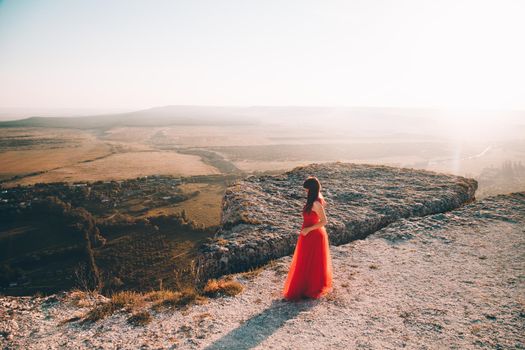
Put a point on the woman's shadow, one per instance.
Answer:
(259, 327)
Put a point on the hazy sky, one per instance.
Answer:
(139, 54)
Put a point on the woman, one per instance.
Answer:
(310, 273)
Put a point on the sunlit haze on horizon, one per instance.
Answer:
(125, 55)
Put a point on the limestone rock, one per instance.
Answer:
(261, 215)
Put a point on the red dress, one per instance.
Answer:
(310, 273)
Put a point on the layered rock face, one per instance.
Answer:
(261, 215)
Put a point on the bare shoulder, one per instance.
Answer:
(317, 206)
(319, 209)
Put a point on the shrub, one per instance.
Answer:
(127, 299)
(79, 298)
(157, 295)
(181, 298)
(214, 287)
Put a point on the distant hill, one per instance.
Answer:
(158, 116)
(352, 118)
(351, 121)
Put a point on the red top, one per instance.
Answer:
(312, 217)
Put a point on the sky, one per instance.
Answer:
(128, 54)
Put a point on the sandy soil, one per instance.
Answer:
(445, 281)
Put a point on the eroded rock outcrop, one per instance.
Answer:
(261, 215)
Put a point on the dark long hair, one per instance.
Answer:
(314, 186)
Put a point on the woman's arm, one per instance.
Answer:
(319, 209)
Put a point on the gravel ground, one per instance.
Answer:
(445, 281)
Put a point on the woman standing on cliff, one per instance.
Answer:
(310, 273)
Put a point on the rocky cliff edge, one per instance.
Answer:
(261, 215)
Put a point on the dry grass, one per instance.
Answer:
(129, 301)
(186, 296)
(74, 147)
(80, 298)
(157, 295)
(126, 299)
(204, 208)
(117, 166)
(229, 287)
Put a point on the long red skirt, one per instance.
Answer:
(310, 273)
